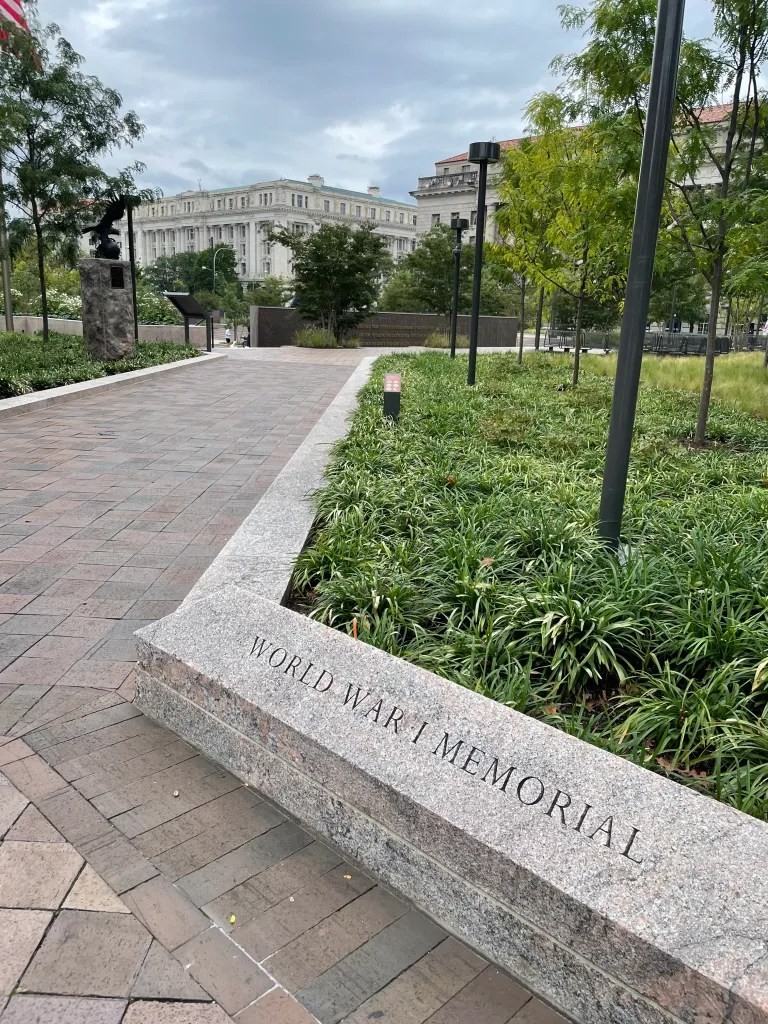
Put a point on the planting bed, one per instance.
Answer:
(462, 538)
(27, 363)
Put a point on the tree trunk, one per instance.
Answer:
(709, 359)
(522, 321)
(539, 317)
(41, 271)
(577, 339)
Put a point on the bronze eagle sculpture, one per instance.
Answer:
(108, 248)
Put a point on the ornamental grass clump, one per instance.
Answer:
(27, 363)
(462, 538)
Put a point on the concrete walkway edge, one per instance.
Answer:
(262, 552)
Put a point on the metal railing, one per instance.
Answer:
(436, 182)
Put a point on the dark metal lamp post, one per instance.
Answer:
(658, 131)
(481, 153)
(459, 225)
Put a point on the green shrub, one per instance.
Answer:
(439, 339)
(314, 337)
(28, 364)
(483, 564)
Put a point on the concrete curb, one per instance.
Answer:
(260, 556)
(53, 396)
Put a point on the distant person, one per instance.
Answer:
(228, 336)
(246, 337)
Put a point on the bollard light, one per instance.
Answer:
(392, 388)
(481, 153)
(459, 225)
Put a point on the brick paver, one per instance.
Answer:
(143, 884)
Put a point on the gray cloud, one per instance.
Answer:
(360, 91)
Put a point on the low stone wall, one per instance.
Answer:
(273, 326)
(614, 894)
(147, 332)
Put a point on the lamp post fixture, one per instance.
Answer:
(658, 131)
(459, 225)
(222, 249)
(481, 153)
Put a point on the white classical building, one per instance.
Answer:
(452, 190)
(244, 217)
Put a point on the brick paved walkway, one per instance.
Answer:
(139, 882)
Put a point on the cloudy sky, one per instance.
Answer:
(361, 91)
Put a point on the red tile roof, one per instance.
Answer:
(708, 115)
(506, 144)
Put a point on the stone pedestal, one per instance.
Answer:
(106, 289)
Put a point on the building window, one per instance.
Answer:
(242, 249)
(219, 203)
(300, 201)
(358, 211)
(413, 245)
(173, 210)
(402, 218)
(342, 207)
(466, 167)
(473, 218)
(293, 198)
(446, 170)
(414, 220)
(219, 234)
(230, 233)
(231, 204)
(435, 219)
(191, 234)
(154, 252)
(373, 213)
(243, 201)
(455, 216)
(266, 267)
(242, 230)
(326, 206)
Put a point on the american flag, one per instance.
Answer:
(10, 10)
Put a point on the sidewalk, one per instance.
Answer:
(140, 883)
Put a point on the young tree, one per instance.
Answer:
(423, 280)
(235, 306)
(568, 210)
(430, 269)
(272, 291)
(399, 293)
(55, 123)
(713, 159)
(336, 273)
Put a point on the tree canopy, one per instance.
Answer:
(56, 123)
(336, 273)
